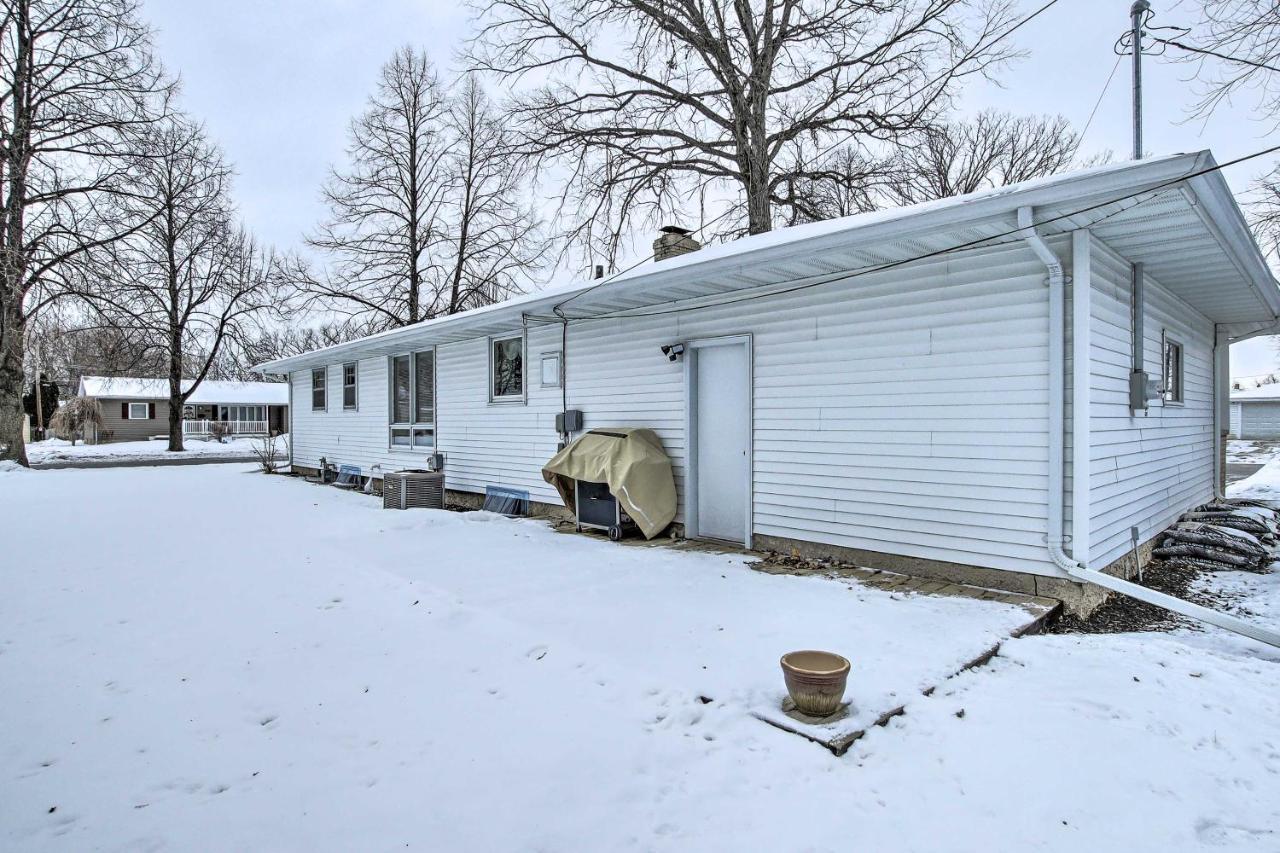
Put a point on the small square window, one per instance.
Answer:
(1173, 372)
(506, 369)
(139, 411)
(349, 375)
(550, 372)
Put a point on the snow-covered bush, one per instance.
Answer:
(71, 419)
(219, 430)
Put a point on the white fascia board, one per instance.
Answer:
(1085, 187)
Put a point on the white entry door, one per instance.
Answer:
(720, 435)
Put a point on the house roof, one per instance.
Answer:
(208, 391)
(1262, 392)
(1175, 214)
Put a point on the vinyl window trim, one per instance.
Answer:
(509, 399)
(413, 426)
(146, 412)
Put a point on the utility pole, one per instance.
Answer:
(1136, 13)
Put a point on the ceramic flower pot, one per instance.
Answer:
(815, 680)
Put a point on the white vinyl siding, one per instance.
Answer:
(903, 412)
(1147, 468)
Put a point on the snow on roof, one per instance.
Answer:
(1262, 392)
(792, 238)
(209, 391)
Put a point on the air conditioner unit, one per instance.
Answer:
(406, 489)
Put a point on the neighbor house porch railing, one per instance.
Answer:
(198, 428)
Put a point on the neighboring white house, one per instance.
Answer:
(1255, 412)
(898, 387)
(137, 408)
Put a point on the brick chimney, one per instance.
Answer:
(673, 242)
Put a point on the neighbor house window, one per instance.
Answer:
(550, 372)
(506, 369)
(139, 411)
(413, 401)
(349, 386)
(318, 379)
(242, 413)
(1173, 369)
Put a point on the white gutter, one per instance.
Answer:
(1080, 464)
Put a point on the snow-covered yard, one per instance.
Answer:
(1246, 452)
(57, 450)
(281, 666)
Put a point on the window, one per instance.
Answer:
(242, 413)
(349, 385)
(413, 401)
(318, 379)
(1172, 389)
(139, 411)
(550, 370)
(506, 369)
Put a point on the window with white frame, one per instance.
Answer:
(1173, 370)
(318, 381)
(349, 378)
(506, 369)
(244, 414)
(413, 401)
(139, 411)
(550, 370)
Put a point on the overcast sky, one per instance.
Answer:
(276, 81)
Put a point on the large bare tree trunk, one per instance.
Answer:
(12, 327)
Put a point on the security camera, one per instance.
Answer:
(673, 352)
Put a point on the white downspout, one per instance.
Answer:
(1057, 422)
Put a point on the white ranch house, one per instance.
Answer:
(943, 389)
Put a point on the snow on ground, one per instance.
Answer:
(288, 667)
(1261, 485)
(58, 450)
(1247, 452)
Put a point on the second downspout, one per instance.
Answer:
(1080, 459)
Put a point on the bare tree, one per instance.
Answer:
(74, 417)
(385, 207)
(492, 239)
(186, 282)
(992, 149)
(429, 218)
(79, 81)
(847, 182)
(643, 100)
(1236, 47)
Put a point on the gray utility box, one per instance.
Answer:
(413, 489)
(599, 509)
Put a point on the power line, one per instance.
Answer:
(557, 308)
(844, 275)
(1226, 56)
(1101, 95)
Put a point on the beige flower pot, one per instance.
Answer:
(816, 681)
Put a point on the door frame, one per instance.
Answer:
(691, 430)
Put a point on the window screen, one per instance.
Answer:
(348, 386)
(1172, 371)
(424, 388)
(401, 393)
(317, 389)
